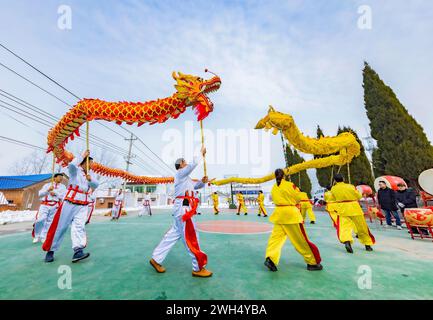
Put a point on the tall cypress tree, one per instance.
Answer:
(403, 147)
(293, 157)
(360, 168)
(323, 174)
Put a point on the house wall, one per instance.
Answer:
(104, 202)
(26, 198)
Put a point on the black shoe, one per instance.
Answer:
(49, 257)
(312, 222)
(259, 215)
(314, 267)
(271, 266)
(79, 255)
(245, 214)
(368, 248)
(356, 236)
(348, 247)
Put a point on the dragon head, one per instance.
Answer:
(275, 121)
(194, 90)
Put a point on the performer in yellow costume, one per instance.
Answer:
(241, 204)
(261, 202)
(288, 223)
(215, 202)
(349, 211)
(331, 206)
(307, 208)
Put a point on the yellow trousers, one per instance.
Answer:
(345, 226)
(242, 207)
(334, 217)
(299, 239)
(262, 209)
(215, 208)
(309, 211)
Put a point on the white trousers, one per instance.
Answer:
(176, 232)
(115, 211)
(71, 215)
(144, 210)
(44, 219)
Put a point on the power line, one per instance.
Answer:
(28, 80)
(74, 95)
(171, 169)
(20, 143)
(33, 67)
(105, 144)
(49, 115)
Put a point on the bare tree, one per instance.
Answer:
(35, 163)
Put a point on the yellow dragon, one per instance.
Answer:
(345, 145)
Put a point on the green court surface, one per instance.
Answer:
(119, 268)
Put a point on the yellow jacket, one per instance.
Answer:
(214, 198)
(305, 201)
(331, 206)
(240, 198)
(261, 198)
(286, 196)
(347, 197)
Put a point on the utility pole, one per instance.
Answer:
(129, 156)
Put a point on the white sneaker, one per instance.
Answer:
(399, 228)
(35, 240)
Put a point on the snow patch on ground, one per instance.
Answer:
(9, 216)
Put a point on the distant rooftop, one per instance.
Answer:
(19, 182)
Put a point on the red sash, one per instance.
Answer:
(190, 233)
(92, 203)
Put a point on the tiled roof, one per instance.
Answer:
(19, 182)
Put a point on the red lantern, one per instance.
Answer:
(365, 190)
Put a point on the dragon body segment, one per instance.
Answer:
(340, 149)
(191, 91)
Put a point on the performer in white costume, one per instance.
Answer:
(116, 211)
(146, 205)
(51, 195)
(185, 205)
(72, 211)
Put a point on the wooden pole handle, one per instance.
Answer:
(202, 144)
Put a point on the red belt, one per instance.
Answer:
(344, 201)
(50, 203)
(285, 205)
(193, 203)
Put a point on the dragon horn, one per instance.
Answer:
(271, 109)
(173, 74)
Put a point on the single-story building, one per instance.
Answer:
(21, 192)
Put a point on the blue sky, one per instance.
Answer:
(303, 57)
